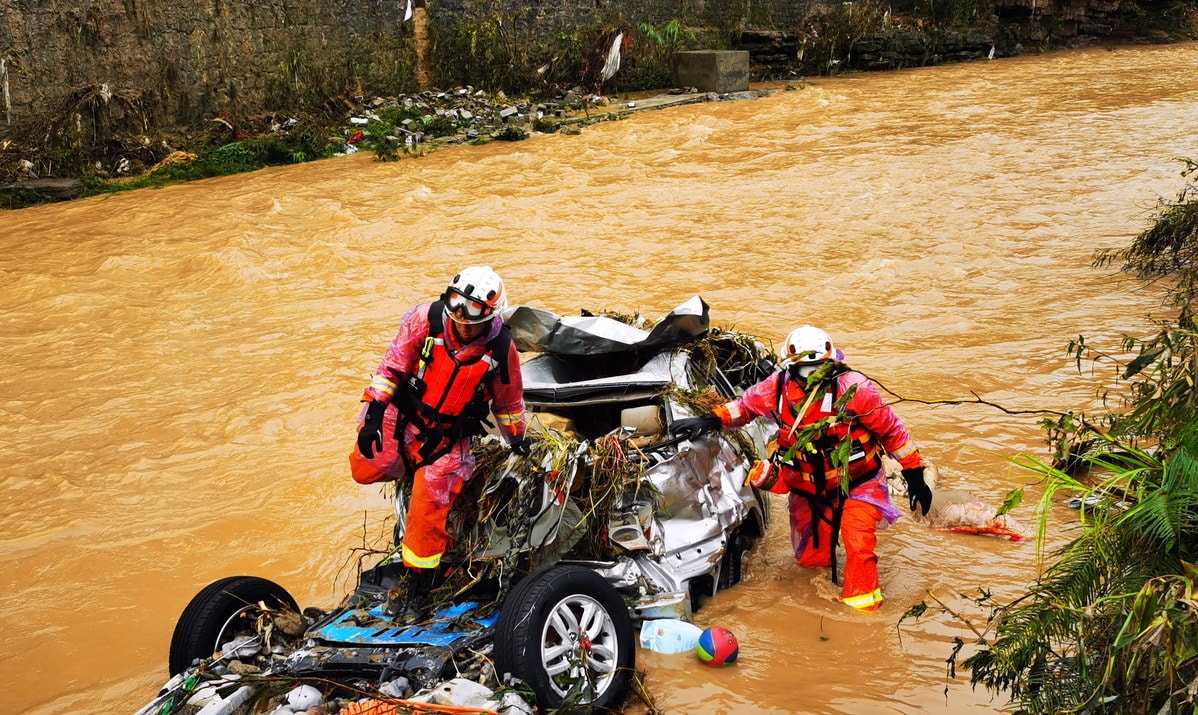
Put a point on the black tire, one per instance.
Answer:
(732, 564)
(568, 634)
(701, 587)
(212, 616)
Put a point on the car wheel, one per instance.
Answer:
(223, 611)
(567, 633)
(732, 565)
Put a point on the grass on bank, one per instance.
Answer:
(204, 158)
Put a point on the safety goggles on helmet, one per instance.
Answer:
(475, 295)
(465, 309)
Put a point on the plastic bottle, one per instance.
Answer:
(670, 636)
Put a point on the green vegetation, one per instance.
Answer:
(1112, 625)
(233, 158)
(832, 31)
(964, 15)
(649, 51)
(1165, 21)
(486, 46)
(223, 148)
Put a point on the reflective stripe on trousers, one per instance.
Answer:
(425, 538)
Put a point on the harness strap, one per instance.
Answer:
(497, 347)
(433, 426)
(837, 513)
(833, 501)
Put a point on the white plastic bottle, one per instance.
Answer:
(670, 635)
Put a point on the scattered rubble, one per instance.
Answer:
(412, 124)
(466, 115)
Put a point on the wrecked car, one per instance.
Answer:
(607, 523)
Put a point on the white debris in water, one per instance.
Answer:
(303, 697)
(464, 693)
(460, 692)
(952, 510)
(202, 696)
(512, 704)
(397, 688)
(246, 647)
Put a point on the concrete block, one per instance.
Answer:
(711, 70)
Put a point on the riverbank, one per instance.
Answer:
(132, 156)
(390, 128)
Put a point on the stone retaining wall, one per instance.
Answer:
(183, 60)
(178, 62)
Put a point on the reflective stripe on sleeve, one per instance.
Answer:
(383, 385)
(509, 418)
(905, 450)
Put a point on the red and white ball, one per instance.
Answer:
(717, 647)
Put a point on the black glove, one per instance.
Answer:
(370, 437)
(917, 489)
(692, 427)
(522, 446)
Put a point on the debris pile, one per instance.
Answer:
(464, 114)
(118, 142)
(954, 510)
(121, 147)
(293, 696)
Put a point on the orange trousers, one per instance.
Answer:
(435, 487)
(425, 539)
(858, 533)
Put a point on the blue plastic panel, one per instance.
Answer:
(445, 628)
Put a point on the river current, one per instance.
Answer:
(180, 368)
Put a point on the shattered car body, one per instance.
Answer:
(608, 521)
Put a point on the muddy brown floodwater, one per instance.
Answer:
(181, 368)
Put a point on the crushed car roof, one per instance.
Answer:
(540, 331)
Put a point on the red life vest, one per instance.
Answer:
(450, 385)
(447, 397)
(811, 468)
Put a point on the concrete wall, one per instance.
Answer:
(712, 70)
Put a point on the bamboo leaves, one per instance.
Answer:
(1112, 625)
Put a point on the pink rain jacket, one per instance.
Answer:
(867, 406)
(507, 400)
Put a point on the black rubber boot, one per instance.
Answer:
(396, 599)
(419, 592)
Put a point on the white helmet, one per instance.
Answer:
(475, 295)
(808, 344)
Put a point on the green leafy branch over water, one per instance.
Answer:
(1112, 624)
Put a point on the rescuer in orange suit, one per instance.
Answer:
(452, 364)
(831, 420)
